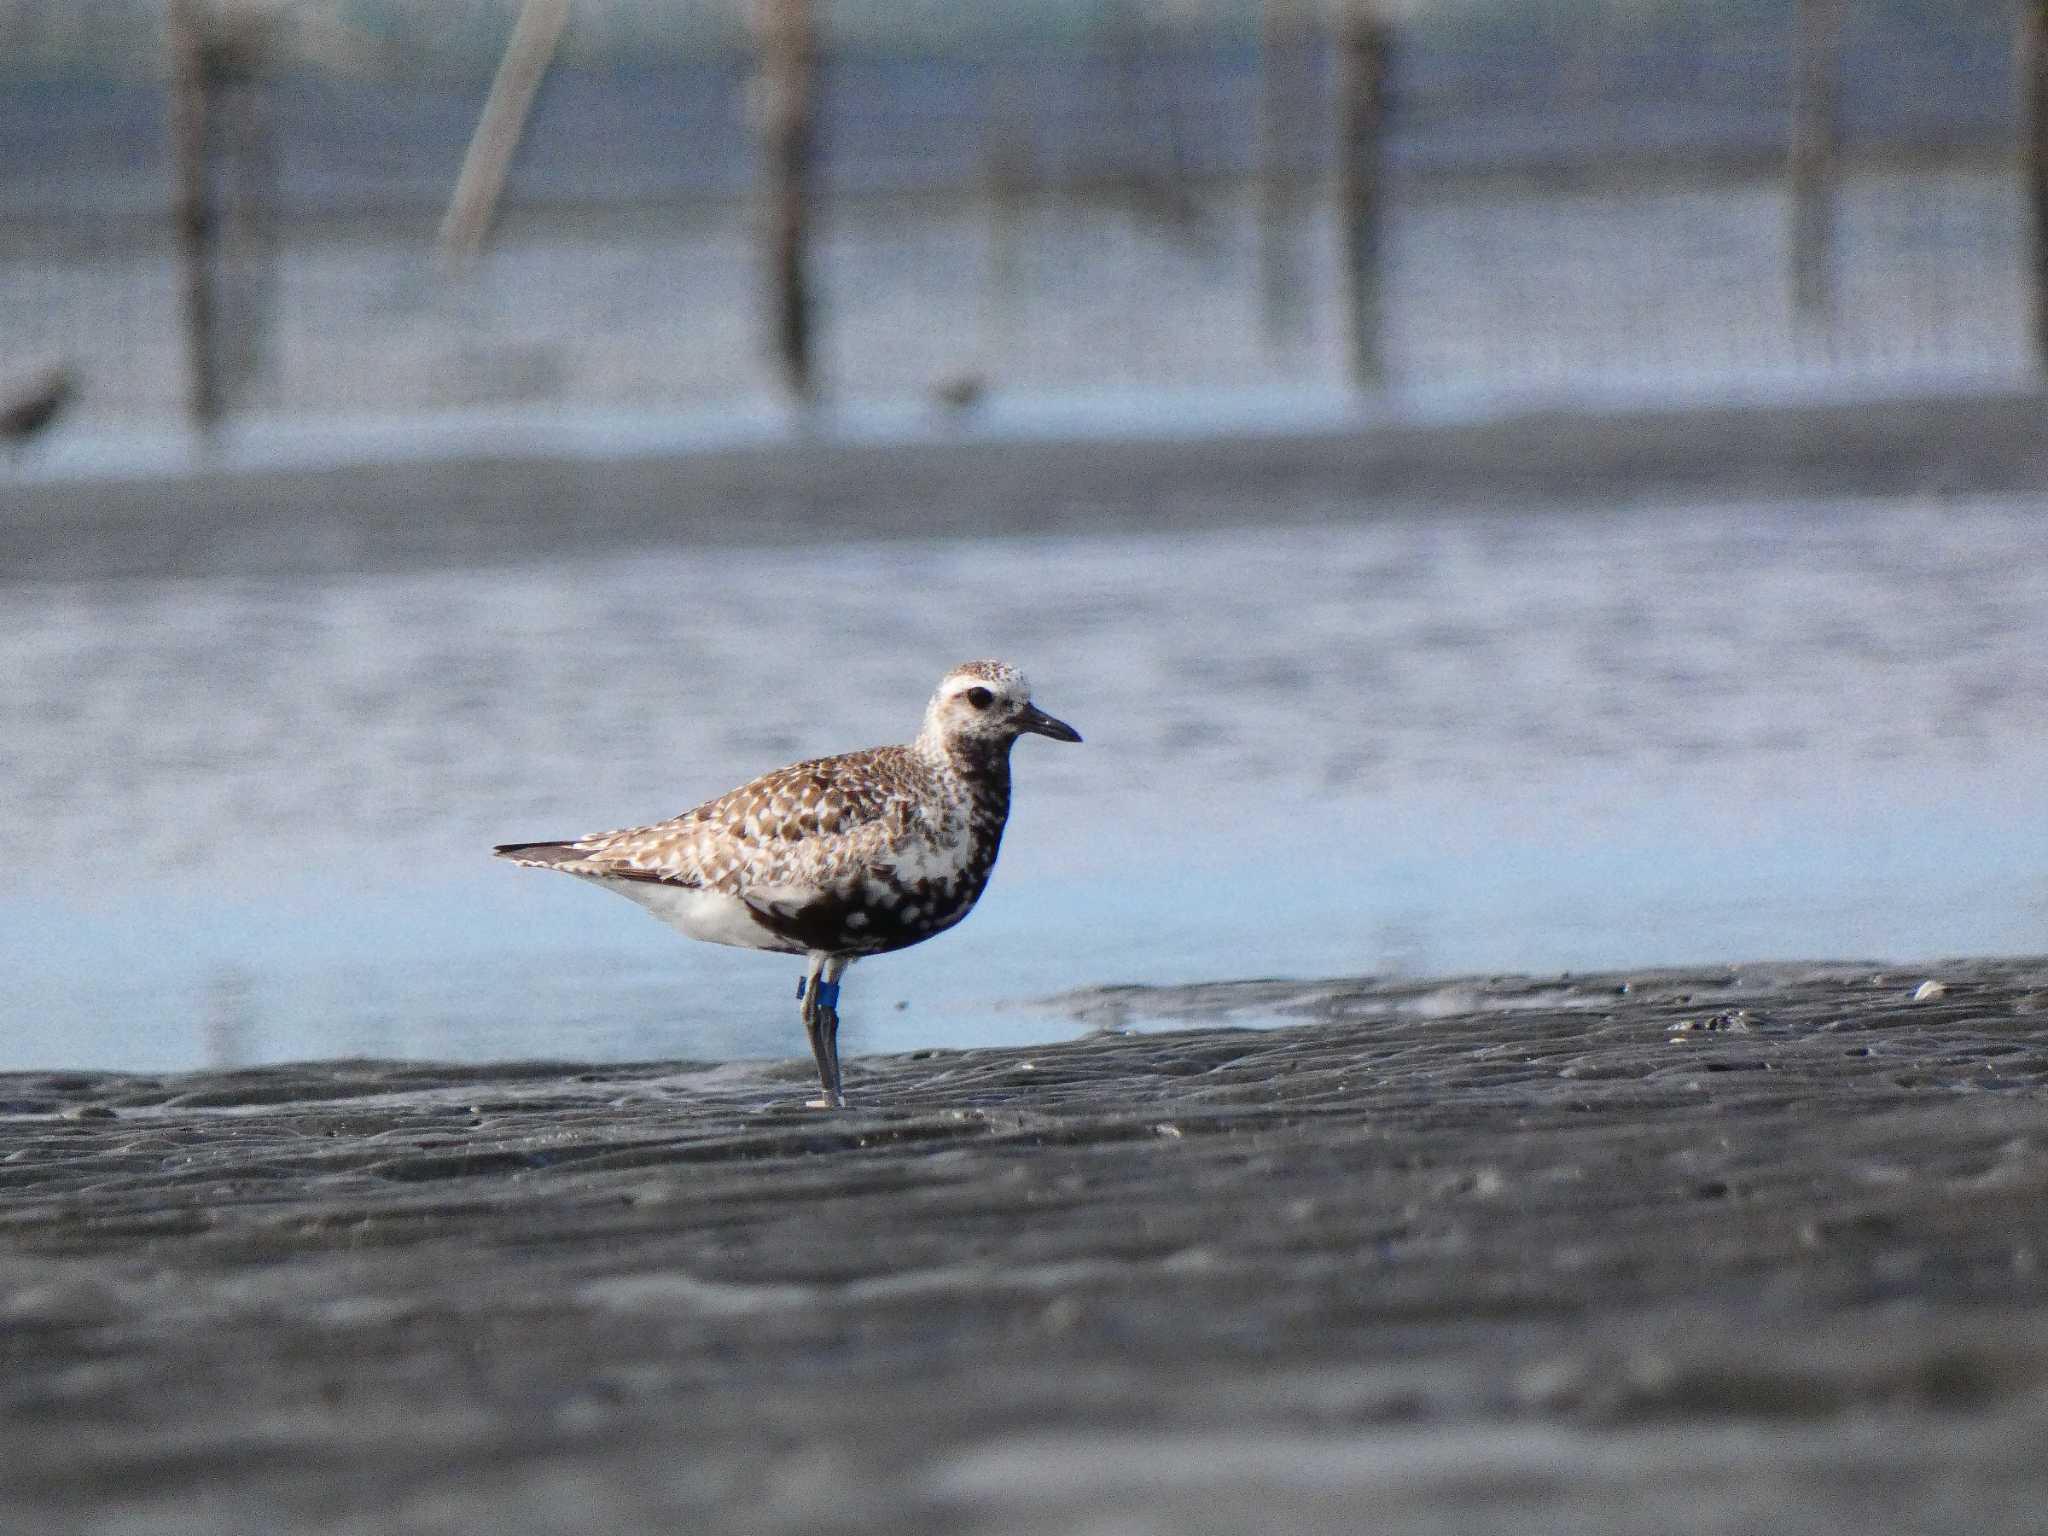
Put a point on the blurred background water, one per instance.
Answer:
(1031, 199)
(251, 801)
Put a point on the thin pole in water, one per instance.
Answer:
(1813, 156)
(1285, 39)
(1364, 63)
(481, 181)
(2034, 158)
(785, 115)
(194, 216)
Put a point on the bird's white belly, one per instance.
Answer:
(712, 916)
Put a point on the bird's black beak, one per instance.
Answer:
(1039, 723)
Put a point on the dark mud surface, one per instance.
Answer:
(1724, 1250)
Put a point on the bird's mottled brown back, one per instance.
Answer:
(813, 823)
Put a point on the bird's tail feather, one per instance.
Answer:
(540, 855)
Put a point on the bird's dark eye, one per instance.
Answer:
(980, 698)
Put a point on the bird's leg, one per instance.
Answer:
(828, 1024)
(821, 1024)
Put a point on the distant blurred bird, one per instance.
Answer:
(29, 405)
(959, 391)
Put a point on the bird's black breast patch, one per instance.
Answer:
(872, 917)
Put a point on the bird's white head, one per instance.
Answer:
(986, 705)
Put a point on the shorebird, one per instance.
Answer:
(961, 391)
(838, 857)
(31, 404)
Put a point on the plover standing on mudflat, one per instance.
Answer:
(838, 857)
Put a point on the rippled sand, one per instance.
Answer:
(1710, 1251)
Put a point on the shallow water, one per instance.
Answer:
(256, 813)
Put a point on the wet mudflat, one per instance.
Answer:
(1711, 1250)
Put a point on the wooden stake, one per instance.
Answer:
(1364, 63)
(499, 128)
(785, 117)
(1813, 156)
(196, 219)
(2034, 160)
(1283, 88)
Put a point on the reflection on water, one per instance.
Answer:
(257, 813)
(229, 1018)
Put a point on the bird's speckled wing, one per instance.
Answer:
(812, 824)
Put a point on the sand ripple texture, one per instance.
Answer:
(1703, 1251)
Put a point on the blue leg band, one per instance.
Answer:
(828, 992)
